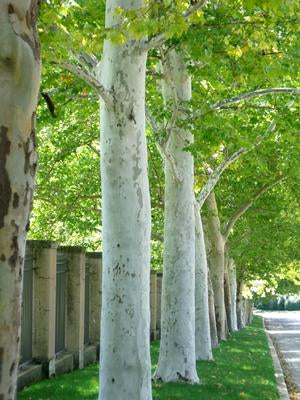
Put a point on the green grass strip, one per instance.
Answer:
(242, 369)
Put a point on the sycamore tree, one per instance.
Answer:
(177, 357)
(19, 86)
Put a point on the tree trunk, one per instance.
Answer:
(177, 359)
(227, 296)
(248, 305)
(216, 263)
(19, 85)
(125, 371)
(240, 305)
(202, 332)
(212, 315)
(233, 290)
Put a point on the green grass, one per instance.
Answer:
(242, 369)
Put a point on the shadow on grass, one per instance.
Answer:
(242, 368)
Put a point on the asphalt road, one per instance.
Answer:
(284, 326)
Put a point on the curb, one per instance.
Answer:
(282, 389)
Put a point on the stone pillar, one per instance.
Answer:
(94, 261)
(153, 305)
(44, 301)
(75, 258)
(158, 303)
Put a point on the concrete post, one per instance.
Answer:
(153, 305)
(44, 301)
(158, 308)
(94, 261)
(75, 258)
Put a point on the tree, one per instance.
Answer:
(19, 86)
(177, 359)
(125, 357)
(202, 331)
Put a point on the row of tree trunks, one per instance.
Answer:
(193, 312)
(229, 311)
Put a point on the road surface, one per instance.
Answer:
(284, 327)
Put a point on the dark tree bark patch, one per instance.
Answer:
(29, 149)
(31, 18)
(5, 189)
(16, 199)
(14, 258)
(12, 368)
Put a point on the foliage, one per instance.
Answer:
(280, 303)
(242, 367)
(231, 48)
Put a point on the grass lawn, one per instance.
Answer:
(242, 369)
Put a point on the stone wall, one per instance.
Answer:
(61, 310)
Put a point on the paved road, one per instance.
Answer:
(284, 326)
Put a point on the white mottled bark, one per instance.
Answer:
(233, 290)
(19, 85)
(202, 329)
(125, 371)
(177, 360)
(216, 263)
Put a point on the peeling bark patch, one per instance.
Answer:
(132, 116)
(27, 189)
(27, 226)
(2, 258)
(139, 198)
(5, 188)
(31, 35)
(137, 158)
(14, 258)
(16, 199)
(10, 9)
(30, 156)
(12, 368)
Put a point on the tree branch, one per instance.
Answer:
(167, 69)
(245, 206)
(159, 39)
(165, 155)
(88, 78)
(157, 236)
(152, 122)
(254, 93)
(215, 176)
